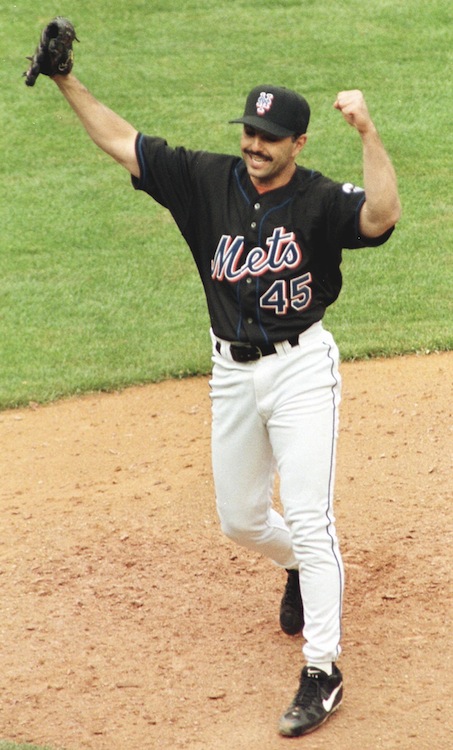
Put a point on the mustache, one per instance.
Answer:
(258, 154)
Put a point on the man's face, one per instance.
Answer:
(270, 161)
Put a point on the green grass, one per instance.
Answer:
(98, 290)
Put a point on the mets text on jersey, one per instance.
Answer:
(283, 252)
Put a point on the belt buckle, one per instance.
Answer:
(245, 352)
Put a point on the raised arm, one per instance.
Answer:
(108, 130)
(382, 207)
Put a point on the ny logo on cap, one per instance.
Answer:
(264, 103)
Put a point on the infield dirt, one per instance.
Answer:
(128, 621)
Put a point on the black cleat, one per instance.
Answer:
(319, 695)
(291, 607)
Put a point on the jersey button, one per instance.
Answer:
(253, 224)
(250, 321)
(257, 206)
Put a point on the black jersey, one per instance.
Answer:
(269, 263)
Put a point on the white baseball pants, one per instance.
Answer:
(280, 413)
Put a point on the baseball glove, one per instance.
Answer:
(54, 55)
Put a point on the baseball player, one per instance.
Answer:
(267, 237)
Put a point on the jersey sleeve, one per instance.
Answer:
(166, 175)
(345, 202)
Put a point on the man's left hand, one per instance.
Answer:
(353, 107)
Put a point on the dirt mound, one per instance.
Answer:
(128, 621)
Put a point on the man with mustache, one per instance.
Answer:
(267, 237)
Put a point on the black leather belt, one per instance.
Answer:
(250, 353)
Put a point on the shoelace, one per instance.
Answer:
(291, 594)
(309, 689)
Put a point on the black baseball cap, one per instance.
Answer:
(276, 110)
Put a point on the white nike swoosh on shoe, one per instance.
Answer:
(328, 702)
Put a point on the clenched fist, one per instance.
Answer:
(353, 107)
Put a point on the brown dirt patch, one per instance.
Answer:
(127, 620)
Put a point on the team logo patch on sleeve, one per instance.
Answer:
(348, 187)
(264, 103)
